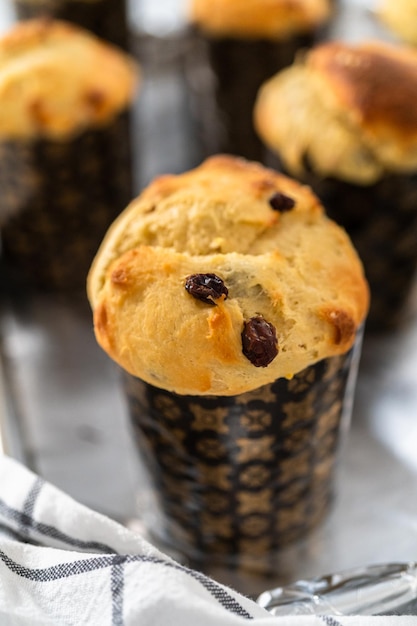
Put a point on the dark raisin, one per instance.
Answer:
(282, 203)
(206, 287)
(259, 341)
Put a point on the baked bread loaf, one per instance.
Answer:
(65, 150)
(400, 16)
(252, 19)
(223, 279)
(239, 45)
(56, 79)
(362, 100)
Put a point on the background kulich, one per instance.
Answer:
(106, 18)
(243, 45)
(359, 156)
(52, 82)
(368, 128)
(238, 478)
(65, 150)
(223, 106)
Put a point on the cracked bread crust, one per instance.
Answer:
(295, 269)
(251, 19)
(349, 109)
(52, 82)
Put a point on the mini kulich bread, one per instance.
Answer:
(56, 79)
(235, 309)
(278, 261)
(105, 18)
(400, 16)
(258, 19)
(361, 98)
(239, 45)
(66, 172)
(343, 119)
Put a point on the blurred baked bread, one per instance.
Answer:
(238, 45)
(400, 16)
(57, 79)
(282, 269)
(265, 19)
(348, 110)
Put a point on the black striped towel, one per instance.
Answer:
(64, 564)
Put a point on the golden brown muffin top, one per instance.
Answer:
(268, 19)
(201, 262)
(57, 79)
(400, 16)
(349, 108)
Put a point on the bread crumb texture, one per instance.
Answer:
(57, 79)
(347, 110)
(294, 272)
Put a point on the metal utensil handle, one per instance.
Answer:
(373, 590)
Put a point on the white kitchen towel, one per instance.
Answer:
(63, 564)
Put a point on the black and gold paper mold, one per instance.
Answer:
(65, 150)
(237, 47)
(344, 121)
(238, 478)
(107, 19)
(232, 304)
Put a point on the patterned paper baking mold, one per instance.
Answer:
(237, 478)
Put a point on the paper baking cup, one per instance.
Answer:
(57, 200)
(237, 478)
(381, 220)
(238, 70)
(106, 18)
